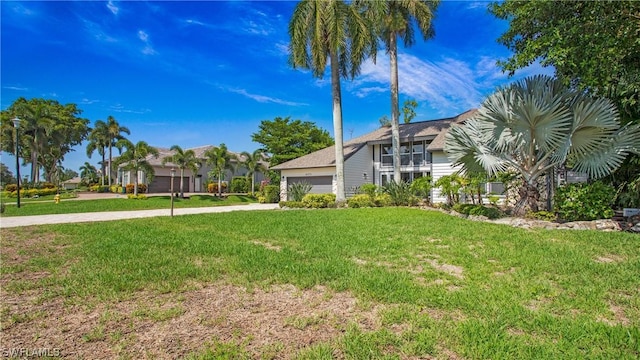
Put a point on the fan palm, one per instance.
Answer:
(220, 160)
(537, 124)
(99, 141)
(332, 30)
(254, 162)
(183, 160)
(135, 158)
(88, 173)
(114, 134)
(395, 19)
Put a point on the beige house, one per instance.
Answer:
(193, 182)
(369, 159)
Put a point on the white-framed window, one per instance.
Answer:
(387, 155)
(418, 153)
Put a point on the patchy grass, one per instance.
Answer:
(347, 283)
(122, 204)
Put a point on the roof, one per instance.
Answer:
(434, 129)
(199, 151)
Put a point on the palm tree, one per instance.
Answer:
(332, 30)
(37, 123)
(254, 163)
(183, 160)
(88, 173)
(537, 124)
(114, 134)
(220, 159)
(99, 141)
(395, 19)
(134, 158)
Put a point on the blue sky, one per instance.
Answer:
(207, 72)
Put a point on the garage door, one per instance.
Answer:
(320, 184)
(162, 184)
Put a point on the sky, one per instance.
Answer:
(208, 72)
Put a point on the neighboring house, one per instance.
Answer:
(369, 159)
(72, 184)
(161, 182)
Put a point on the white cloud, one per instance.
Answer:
(363, 92)
(147, 49)
(121, 109)
(265, 99)
(15, 88)
(113, 8)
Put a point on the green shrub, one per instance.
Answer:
(382, 200)
(422, 186)
(212, 188)
(142, 188)
(291, 204)
(138, 197)
(272, 194)
(316, 201)
(401, 194)
(262, 199)
(11, 187)
(369, 189)
(493, 199)
(240, 184)
(576, 202)
(47, 185)
(478, 210)
(297, 191)
(541, 215)
(360, 201)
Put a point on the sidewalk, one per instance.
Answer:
(17, 221)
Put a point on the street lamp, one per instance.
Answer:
(16, 125)
(173, 174)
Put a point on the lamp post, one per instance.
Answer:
(173, 174)
(16, 125)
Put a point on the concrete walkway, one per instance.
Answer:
(17, 221)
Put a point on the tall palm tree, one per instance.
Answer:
(332, 30)
(395, 19)
(537, 124)
(37, 123)
(220, 160)
(99, 141)
(114, 134)
(254, 162)
(88, 173)
(135, 158)
(183, 160)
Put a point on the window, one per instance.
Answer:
(418, 153)
(405, 154)
(387, 155)
(406, 177)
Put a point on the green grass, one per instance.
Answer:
(121, 204)
(521, 293)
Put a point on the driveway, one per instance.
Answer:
(17, 221)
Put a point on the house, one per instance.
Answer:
(72, 184)
(161, 182)
(369, 159)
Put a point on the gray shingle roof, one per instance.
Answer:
(413, 131)
(199, 151)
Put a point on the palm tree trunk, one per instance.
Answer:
(103, 169)
(109, 171)
(135, 182)
(337, 127)
(395, 110)
(220, 185)
(182, 183)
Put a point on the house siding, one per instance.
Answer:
(441, 166)
(355, 169)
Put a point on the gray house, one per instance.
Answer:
(369, 159)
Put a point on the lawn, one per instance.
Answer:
(121, 204)
(393, 283)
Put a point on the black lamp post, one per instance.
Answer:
(173, 174)
(16, 125)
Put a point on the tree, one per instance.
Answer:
(68, 174)
(254, 162)
(134, 158)
(395, 19)
(48, 131)
(183, 160)
(591, 45)
(6, 176)
(114, 134)
(537, 124)
(284, 139)
(384, 121)
(99, 141)
(409, 110)
(334, 31)
(220, 160)
(88, 174)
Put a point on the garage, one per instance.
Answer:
(320, 184)
(162, 184)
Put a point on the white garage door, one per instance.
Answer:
(320, 184)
